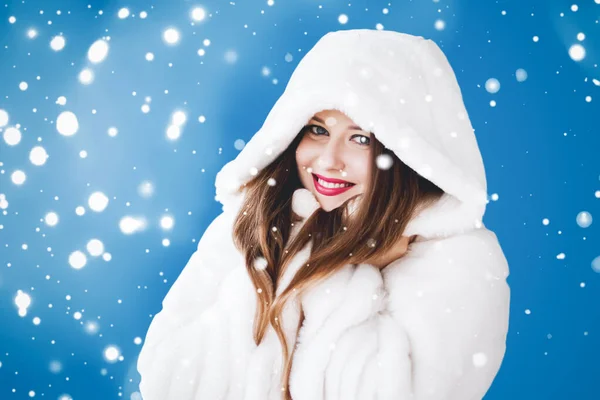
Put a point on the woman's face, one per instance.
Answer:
(335, 149)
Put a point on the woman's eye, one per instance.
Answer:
(362, 140)
(311, 129)
(319, 130)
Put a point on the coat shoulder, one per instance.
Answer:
(472, 252)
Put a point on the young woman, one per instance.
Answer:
(350, 260)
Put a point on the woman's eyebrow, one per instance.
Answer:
(358, 128)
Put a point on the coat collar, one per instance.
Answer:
(447, 211)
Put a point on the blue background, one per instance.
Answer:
(539, 144)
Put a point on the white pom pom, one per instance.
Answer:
(304, 203)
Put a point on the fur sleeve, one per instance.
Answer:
(443, 333)
(173, 335)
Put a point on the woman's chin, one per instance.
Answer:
(328, 208)
(329, 204)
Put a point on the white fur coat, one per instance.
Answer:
(430, 326)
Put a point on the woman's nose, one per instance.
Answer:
(331, 157)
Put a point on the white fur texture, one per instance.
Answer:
(430, 326)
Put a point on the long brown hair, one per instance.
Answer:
(263, 226)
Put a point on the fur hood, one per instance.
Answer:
(400, 87)
(431, 325)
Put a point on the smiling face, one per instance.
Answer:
(334, 149)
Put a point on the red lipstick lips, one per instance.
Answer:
(330, 191)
